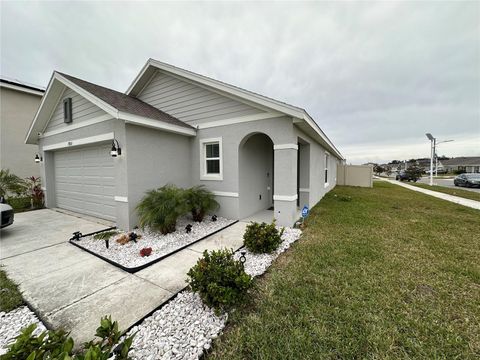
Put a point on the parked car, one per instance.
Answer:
(468, 180)
(7, 215)
(405, 176)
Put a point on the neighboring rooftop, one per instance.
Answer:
(462, 160)
(125, 103)
(21, 85)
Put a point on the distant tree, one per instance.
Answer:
(395, 162)
(414, 172)
(378, 169)
(443, 157)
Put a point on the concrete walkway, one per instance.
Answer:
(72, 289)
(455, 199)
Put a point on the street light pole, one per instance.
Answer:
(432, 149)
(433, 153)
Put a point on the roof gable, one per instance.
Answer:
(295, 112)
(114, 103)
(190, 102)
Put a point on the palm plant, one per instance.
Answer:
(159, 209)
(10, 183)
(200, 201)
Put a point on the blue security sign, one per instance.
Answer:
(305, 211)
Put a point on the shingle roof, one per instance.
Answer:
(462, 160)
(125, 103)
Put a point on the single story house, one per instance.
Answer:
(176, 126)
(469, 164)
(19, 102)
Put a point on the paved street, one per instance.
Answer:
(446, 183)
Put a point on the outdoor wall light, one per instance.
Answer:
(38, 159)
(116, 151)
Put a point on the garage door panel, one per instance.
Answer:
(84, 181)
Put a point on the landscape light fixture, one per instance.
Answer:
(38, 159)
(116, 150)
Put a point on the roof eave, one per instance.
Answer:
(156, 124)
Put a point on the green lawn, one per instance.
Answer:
(450, 191)
(382, 273)
(10, 297)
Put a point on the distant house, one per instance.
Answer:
(469, 164)
(19, 103)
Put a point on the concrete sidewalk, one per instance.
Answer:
(455, 199)
(72, 289)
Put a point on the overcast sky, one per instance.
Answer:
(375, 76)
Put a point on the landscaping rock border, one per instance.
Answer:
(127, 256)
(13, 321)
(184, 328)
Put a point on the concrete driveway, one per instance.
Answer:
(72, 289)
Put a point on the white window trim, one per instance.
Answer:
(203, 159)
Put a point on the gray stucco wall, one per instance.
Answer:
(280, 130)
(154, 158)
(16, 114)
(256, 175)
(317, 188)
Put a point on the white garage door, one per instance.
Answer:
(84, 181)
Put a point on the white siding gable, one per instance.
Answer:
(82, 110)
(191, 103)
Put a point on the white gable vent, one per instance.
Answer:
(67, 110)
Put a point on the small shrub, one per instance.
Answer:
(58, 345)
(145, 252)
(200, 201)
(105, 235)
(35, 192)
(159, 209)
(262, 238)
(219, 279)
(11, 183)
(19, 203)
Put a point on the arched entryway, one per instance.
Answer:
(256, 175)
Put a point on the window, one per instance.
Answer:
(326, 169)
(67, 110)
(211, 159)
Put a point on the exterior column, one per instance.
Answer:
(285, 184)
(47, 174)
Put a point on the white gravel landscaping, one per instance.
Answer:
(128, 255)
(13, 321)
(257, 264)
(185, 327)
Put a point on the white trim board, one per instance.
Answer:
(79, 125)
(225, 194)
(21, 88)
(238, 120)
(156, 124)
(78, 142)
(285, 197)
(123, 199)
(285, 146)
